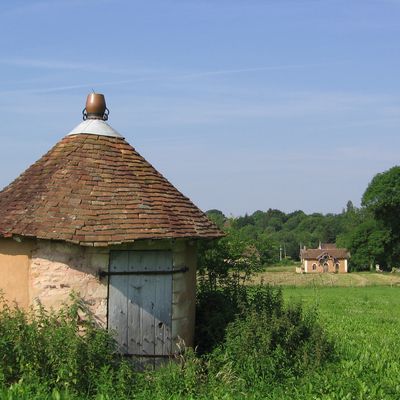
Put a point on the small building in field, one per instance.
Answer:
(94, 217)
(326, 258)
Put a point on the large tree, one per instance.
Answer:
(382, 198)
(368, 243)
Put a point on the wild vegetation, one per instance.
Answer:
(46, 353)
(302, 343)
(64, 356)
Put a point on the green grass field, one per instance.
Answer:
(365, 324)
(361, 312)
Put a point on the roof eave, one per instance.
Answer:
(15, 235)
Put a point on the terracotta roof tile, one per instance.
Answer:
(313, 254)
(97, 190)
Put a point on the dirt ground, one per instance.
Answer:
(286, 276)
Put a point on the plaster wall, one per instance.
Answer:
(14, 270)
(320, 269)
(184, 294)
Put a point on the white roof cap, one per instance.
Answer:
(95, 127)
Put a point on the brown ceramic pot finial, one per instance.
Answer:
(95, 107)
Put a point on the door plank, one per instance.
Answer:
(118, 306)
(163, 285)
(135, 338)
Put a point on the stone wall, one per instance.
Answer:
(58, 268)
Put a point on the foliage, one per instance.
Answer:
(367, 243)
(216, 307)
(217, 217)
(371, 233)
(185, 378)
(270, 341)
(278, 236)
(363, 323)
(52, 349)
(382, 199)
(60, 356)
(228, 261)
(223, 268)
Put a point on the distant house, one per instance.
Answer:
(327, 258)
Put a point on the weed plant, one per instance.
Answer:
(263, 347)
(45, 351)
(269, 342)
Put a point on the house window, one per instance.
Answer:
(314, 267)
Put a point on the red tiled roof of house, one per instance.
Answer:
(97, 190)
(313, 254)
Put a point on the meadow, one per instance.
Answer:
(361, 314)
(364, 323)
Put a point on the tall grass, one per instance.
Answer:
(58, 352)
(63, 355)
(364, 324)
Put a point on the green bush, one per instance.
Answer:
(62, 350)
(262, 338)
(272, 342)
(215, 309)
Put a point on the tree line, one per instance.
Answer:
(371, 232)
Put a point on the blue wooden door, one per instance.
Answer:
(140, 301)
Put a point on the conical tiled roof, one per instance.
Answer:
(97, 190)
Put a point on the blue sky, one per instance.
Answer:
(242, 105)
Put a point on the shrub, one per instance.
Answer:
(215, 309)
(61, 350)
(269, 341)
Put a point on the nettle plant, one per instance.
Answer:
(61, 349)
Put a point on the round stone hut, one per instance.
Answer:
(94, 217)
